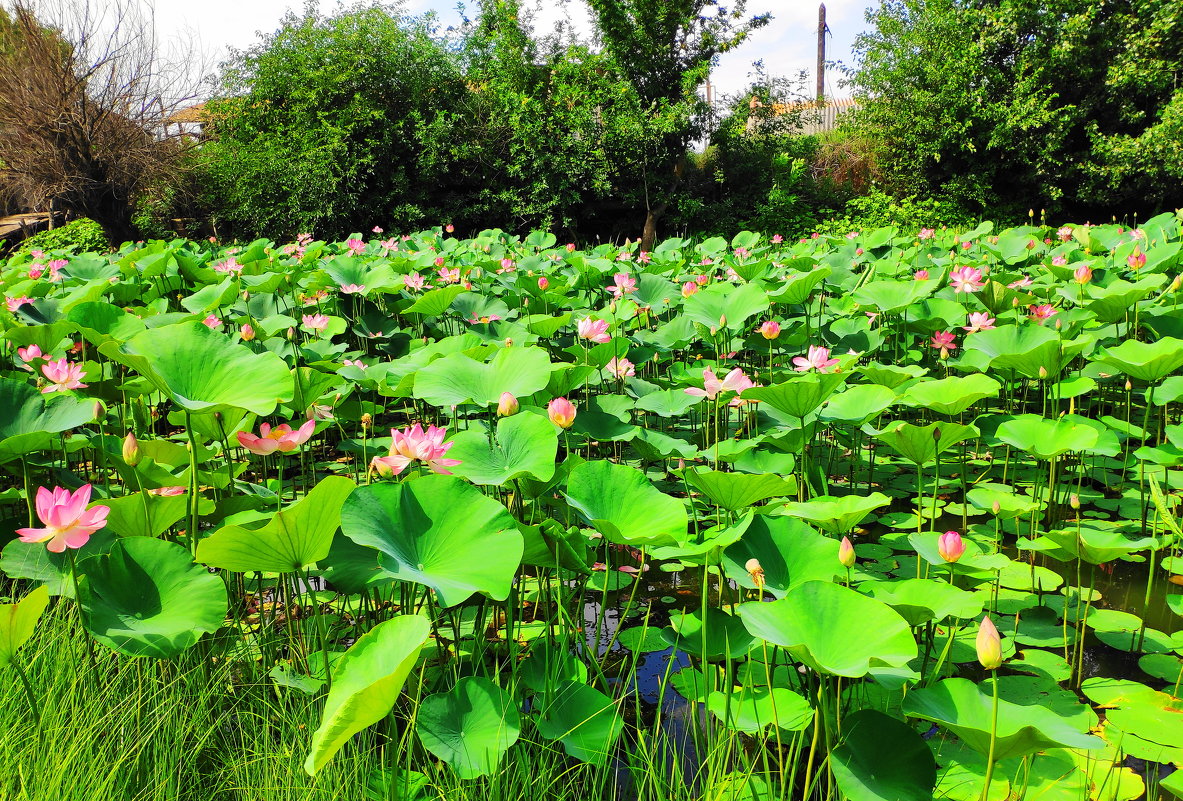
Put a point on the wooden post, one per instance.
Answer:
(821, 53)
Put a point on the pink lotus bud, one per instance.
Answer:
(131, 449)
(950, 546)
(247, 333)
(507, 406)
(770, 329)
(1136, 260)
(100, 411)
(846, 553)
(561, 412)
(989, 645)
(1082, 274)
(543, 283)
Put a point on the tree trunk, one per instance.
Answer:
(649, 234)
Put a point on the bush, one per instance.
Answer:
(79, 236)
(876, 209)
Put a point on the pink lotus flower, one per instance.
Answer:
(1082, 274)
(622, 284)
(644, 257)
(449, 228)
(377, 229)
(846, 554)
(353, 289)
(777, 239)
(920, 275)
(926, 233)
(507, 405)
(950, 546)
(356, 246)
(30, 353)
(507, 266)
(561, 412)
(1023, 282)
(15, 303)
(63, 375)
(621, 368)
(966, 279)
(689, 288)
(989, 644)
(166, 492)
(703, 280)
(852, 235)
(439, 261)
(735, 381)
(414, 281)
(1064, 233)
(543, 283)
(1042, 312)
(68, 523)
(358, 363)
(247, 333)
(1060, 261)
(944, 342)
(281, 438)
(36, 271)
(212, 322)
(979, 321)
(228, 266)
(570, 247)
(1136, 260)
(770, 329)
(594, 330)
(451, 276)
(817, 358)
(413, 444)
(316, 322)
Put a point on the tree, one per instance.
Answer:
(1006, 105)
(84, 93)
(665, 49)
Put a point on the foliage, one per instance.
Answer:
(877, 209)
(76, 236)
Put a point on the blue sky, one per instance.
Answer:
(786, 46)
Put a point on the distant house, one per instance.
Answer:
(186, 122)
(815, 117)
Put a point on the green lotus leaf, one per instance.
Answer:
(963, 708)
(470, 727)
(952, 395)
(882, 758)
(1046, 439)
(204, 371)
(723, 300)
(833, 629)
(436, 301)
(583, 719)
(920, 600)
(894, 296)
(1027, 349)
(19, 620)
(836, 515)
(294, 539)
(437, 531)
(145, 515)
(525, 445)
(458, 378)
(723, 636)
(102, 322)
(367, 681)
(621, 503)
(857, 403)
(735, 491)
(751, 710)
(1091, 543)
(1145, 361)
(147, 598)
(29, 420)
(788, 551)
(800, 395)
(921, 445)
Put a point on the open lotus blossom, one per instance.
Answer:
(15, 303)
(63, 375)
(561, 412)
(944, 342)
(979, 321)
(212, 322)
(358, 363)
(735, 381)
(1136, 260)
(356, 246)
(777, 239)
(816, 358)
(989, 645)
(966, 279)
(950, 546)
(593, 330)
(689, 288)
(1064, 233)
(281, 438)
(1042, 312)
(920, 275)
(229, 266)
(414, 281)
(1025, 281)
(926, 233)
(36, 271)
(30, 353)
(507, 266)
(451, 276)
(622, 284)
(770, 329)
(68, 523)
(316, 322)
(353, 289)
(414, 444)
(1082, 274)
(621, 368)
(1060, 261)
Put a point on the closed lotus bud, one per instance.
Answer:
(561, 412)
(131, 449)
(291, 333)
(846, 553)
(989, 645)
(248, 332)
(770, 329)
(950, 546)
(756, 572)
(507, 406)
(1128, 385)
(722, 320)
(996, 507)
(543, 283)
(936, 434)
(100, 411)
(1042, 372)
(1074, 501)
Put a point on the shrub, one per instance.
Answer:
(78, 236)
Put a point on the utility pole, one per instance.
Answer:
(821, 53)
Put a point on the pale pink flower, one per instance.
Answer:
(1025, 281)
(507, 266)
(212, 322)
(979, 321)
(281, 438)
(777, 239)
(414, 281)
(1060, 261)
(63, 375)
(966, 279)
(228, 266)
(561, 412)
(770, 329)
(1136, 260)
(703, 280)
(852, 235)
(377, 229)
(920, 275)
(950, 546)
(15, 303)
(30, 353)
(68, 523)
(316, 323)
(593, 330)
(358, 363)
(353, 289)
(247, 333)
(622, 284)
(1041, 312)
(166, 492)
(621, 368)
(449, 276)
(735, 381)
(689, 288)
(926, 233)
(356, 246)
(1064, 233)
(944, 342)
(414, 444)
(644, 257)
(1082, 274)
(816, 358)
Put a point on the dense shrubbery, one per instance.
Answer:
(77, 236)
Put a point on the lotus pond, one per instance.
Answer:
(881, 517)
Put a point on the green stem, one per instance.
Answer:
(993, 737)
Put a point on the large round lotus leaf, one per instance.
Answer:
(1097, 545)
(525, 445)
(1046, 439)
(833, 629)
(736, 491)
(1167, 667)
(892, 296)
(800, 395)
(1024, 348)
(366, 682)
(964, 709)
(723, 635)
(30, 420)
(18, 620)
(837, 515)
(549, 665)
(722, 300)
(202, 370)
(457, 378)
(147, 598)
(923, 444)
(471, 727)
(881, 758)
(295, 538)
(789, 552)
(620, 503)
(102, 322)
(858, 403)
(751, 710)
(438, 531)
(922, 600)
(1146, 361)
(583, 719)
(952, 395)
